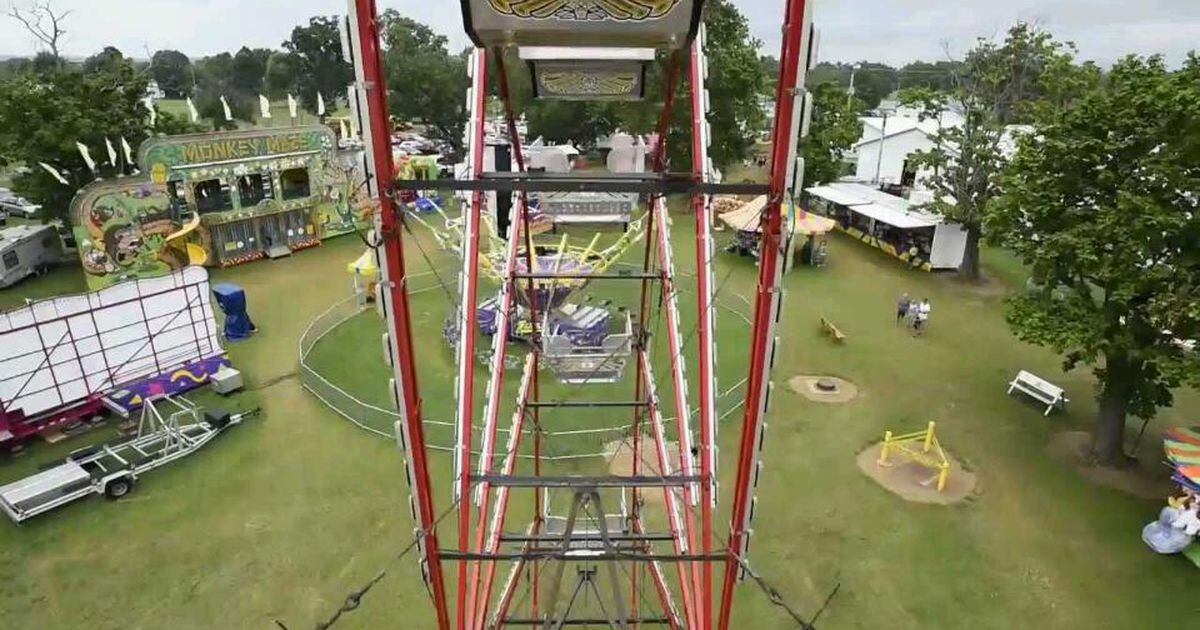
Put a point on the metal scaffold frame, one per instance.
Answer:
(615, 554)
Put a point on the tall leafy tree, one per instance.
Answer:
(42, 116)
(248, 69)
(108, 59)
(216, 79)
(1101, 203)
(996, 84)
(318, 50)
(426, 84)
(172, 70)
(835, 127)
(736, 83)
(282, 74)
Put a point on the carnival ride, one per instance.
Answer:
(600, 527)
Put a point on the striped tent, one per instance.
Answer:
(1182, 446)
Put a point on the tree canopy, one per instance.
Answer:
(835, 127)
(318, 50)
(72, 106)
(1101, 203)
(426, 83)
(172, 70)
(996, 84)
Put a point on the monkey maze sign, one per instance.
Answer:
(183, 151)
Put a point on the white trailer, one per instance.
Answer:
(112, 469)
(27, 250)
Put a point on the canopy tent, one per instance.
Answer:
(365, 270)
(746, 218)
(364, 265)
(1182, 446)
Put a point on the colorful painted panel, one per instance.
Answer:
(186, 378)
(127, 230)
(619, 23)
(635, 10)
(588, 83)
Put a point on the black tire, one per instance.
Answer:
(118, 488)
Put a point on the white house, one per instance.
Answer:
(882, 154)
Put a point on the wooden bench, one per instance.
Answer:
(1040, 389)
(833, 331)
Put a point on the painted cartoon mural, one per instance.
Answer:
(126, 233)
(219, 199)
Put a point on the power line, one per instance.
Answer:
(777, 599)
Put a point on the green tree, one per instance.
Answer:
(938, 75)
(736, 83)
(318, 49)
(172, 70)
(208, 105)
(106, 60)
(872, 82)
(835, 127)
(426, 84)
(1101, 203)
(282, 71)
(997, 83)
(43, 116)
(248, 69)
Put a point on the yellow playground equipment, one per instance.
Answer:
(197, 255)
(929, 454)
(548, 255)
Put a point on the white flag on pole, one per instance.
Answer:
(320, 104)
(225, 106)
(53, 171)
(149, 103)
(128, 151)
(192, 110)
(264, 106)
(112, 153)
(292, 105)
(87, 156)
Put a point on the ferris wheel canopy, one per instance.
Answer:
(606, 23)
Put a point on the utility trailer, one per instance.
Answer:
(112, 469)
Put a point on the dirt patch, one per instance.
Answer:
(1074, 448)
(914, 482)
(620, 462)
(816, 388)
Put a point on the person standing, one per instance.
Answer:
(902, 306)
(921, 317)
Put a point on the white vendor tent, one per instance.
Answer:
(891, 223)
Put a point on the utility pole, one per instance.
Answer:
(850, 90)
(882, 139)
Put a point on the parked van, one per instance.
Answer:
(27, 250)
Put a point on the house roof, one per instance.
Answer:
(897, 125)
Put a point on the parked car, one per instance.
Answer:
(19, 207)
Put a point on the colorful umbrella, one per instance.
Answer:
(1182, 446)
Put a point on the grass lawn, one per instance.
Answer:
(286, 514)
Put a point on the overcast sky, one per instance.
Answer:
(894, 31)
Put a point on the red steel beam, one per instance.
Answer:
(535, 351)
(704, 326)
(397, 297)
(766, 298)
(466, 355)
